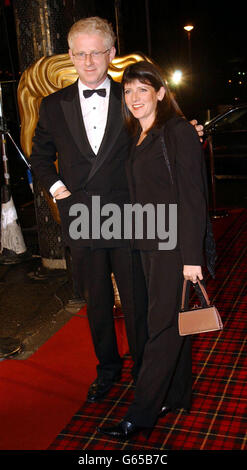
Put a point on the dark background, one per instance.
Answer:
(218, 44)
(155, 28)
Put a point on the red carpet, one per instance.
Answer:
(218, 419)
(40, 397)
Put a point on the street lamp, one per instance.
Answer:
(189, 28)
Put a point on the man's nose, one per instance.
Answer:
(88, 59)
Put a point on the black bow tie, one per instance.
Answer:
(100, 91)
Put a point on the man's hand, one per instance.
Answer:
(62, 193)
(191, 273)
(198, 128)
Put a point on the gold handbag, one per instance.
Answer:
(198, 319)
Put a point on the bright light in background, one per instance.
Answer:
(189, 27)
(176, 77)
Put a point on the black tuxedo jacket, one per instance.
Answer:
(61, 133)
(179, 180)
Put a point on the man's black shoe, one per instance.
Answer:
(99, 388)
(122, 430)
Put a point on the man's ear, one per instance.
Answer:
(71, 55)
(112, 53)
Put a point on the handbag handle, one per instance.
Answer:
(205, 295)
(166, 157)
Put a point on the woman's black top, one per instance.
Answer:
(151, 181)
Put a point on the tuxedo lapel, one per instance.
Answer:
(72, 112)
(113, 128)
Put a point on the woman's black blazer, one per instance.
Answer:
(152, 181)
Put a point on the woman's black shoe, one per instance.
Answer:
(124, 429)
(165, 410)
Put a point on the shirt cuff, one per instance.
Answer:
(55, 186)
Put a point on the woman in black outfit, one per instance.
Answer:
(165, 166)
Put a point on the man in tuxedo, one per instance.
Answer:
(85, 130)
(82, 124)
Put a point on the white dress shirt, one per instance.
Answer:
(94, 111)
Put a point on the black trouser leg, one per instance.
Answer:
(95, 268)
(166, 359)
(127, 268)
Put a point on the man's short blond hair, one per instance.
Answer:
(93, 25)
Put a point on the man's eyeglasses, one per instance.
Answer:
(93, 54)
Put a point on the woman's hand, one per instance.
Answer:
(191, 273)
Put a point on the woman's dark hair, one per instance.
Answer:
(148, 73)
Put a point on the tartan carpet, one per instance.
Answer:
(218, 418)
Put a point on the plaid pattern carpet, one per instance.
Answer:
(218, 418)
